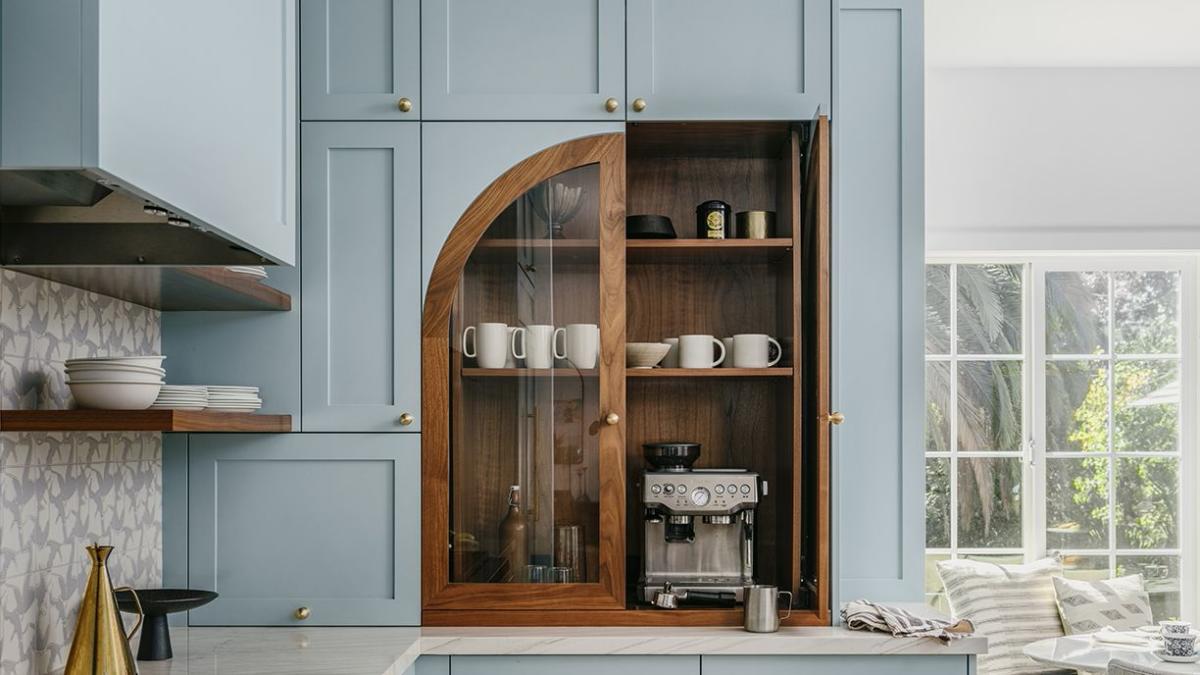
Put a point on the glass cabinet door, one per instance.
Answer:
(523, 371)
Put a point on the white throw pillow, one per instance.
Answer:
(1013, 605)
(1088, 606)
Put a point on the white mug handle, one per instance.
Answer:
(778, 352)
(554, 340)
(470, 330)
(721, 358)
(513, 344)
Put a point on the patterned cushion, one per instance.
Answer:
(1088, 606)
(1013, 605)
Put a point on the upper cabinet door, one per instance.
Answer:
(360, 59)
(529, 60)
(716, 59)
(361, 276)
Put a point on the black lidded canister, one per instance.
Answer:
(714, 220)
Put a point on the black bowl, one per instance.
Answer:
(672, 456)
(649, 227)
(157, 603)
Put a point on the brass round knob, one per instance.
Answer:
(639, 104)
(612, 418)
(404, 104)
(406, 419)
(303, 613)
(611, 104)
(834, 417)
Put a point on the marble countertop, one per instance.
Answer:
(389, 651)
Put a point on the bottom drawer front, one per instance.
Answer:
(836, 665)
(574, 665)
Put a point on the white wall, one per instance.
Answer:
(1062, 158)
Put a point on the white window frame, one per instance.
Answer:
(1033, 475)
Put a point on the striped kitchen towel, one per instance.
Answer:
(864, 615)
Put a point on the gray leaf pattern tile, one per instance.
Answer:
(60, 492)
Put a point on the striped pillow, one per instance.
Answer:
(1013, 605)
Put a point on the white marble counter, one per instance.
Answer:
(389, 651)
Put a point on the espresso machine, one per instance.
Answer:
(699, 529)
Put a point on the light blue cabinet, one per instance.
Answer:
(430, 665)
(323, 521)
(576, 665)
(528, 60)
(358, 58)
(360, 276)
(716, 59)
(837, 665)
(878, 259)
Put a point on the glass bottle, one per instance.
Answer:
(514, 537)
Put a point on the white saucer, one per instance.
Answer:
(1148, 629)
(1162, 654)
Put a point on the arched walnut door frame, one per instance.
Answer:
(441, 598)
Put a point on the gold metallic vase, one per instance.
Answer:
(100, 645)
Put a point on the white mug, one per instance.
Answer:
(510, 361)
(729, 354)
(671, 360)
(491, 344)
(752, 350)
(696, 351)
(537, 345)
(581, 344)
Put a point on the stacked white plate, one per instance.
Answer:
(181, 397)
(232, 398)
(257, 271)
(115, 382)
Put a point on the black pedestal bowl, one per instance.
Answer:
(157, 603)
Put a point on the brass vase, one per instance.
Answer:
(100, 645)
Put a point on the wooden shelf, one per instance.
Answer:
(681, 251)
(142, 420)
(564, 250)
(527, 372)
(639, 373)
(170, 288)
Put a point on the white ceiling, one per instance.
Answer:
(1066, 33)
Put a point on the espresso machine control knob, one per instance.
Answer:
(700, 496)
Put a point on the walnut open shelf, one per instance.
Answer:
(647, 373)
(143, 420)
(170, 288)
(720, 251)
(562, 250)
(472, 373)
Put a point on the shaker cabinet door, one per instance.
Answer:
(884, 664)
(715, 59)
(878, 325)
(361, 276)
(360, 59)
(319, 521)
(528, 60)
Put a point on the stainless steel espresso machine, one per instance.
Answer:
(699, 529)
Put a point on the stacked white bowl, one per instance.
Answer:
(115, 382)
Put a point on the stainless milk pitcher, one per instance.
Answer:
(762, 608)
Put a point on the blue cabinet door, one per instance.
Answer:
(878, 325)
(361, 276)
(885, 664)
(715, 59)
(528, 60)
(358, 58)
(576, 665)
(323, 521)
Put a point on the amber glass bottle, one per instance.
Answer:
(514, 537)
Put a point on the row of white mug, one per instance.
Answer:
(744, 350)
(498, 345)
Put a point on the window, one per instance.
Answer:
(1059, 416)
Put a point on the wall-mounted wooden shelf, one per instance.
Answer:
(645, 251)
(170, 288)
(142, 420)
(640, 373)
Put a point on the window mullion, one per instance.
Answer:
(953, 411)
(1112, 457)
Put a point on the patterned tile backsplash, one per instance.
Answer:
(61, 491)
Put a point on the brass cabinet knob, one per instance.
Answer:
(612, 418)
(639, 104)
(406, 419)
(303, 613)
(834, 417)
(404, 104)
(611, 104)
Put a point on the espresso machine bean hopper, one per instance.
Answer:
(699, 529)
